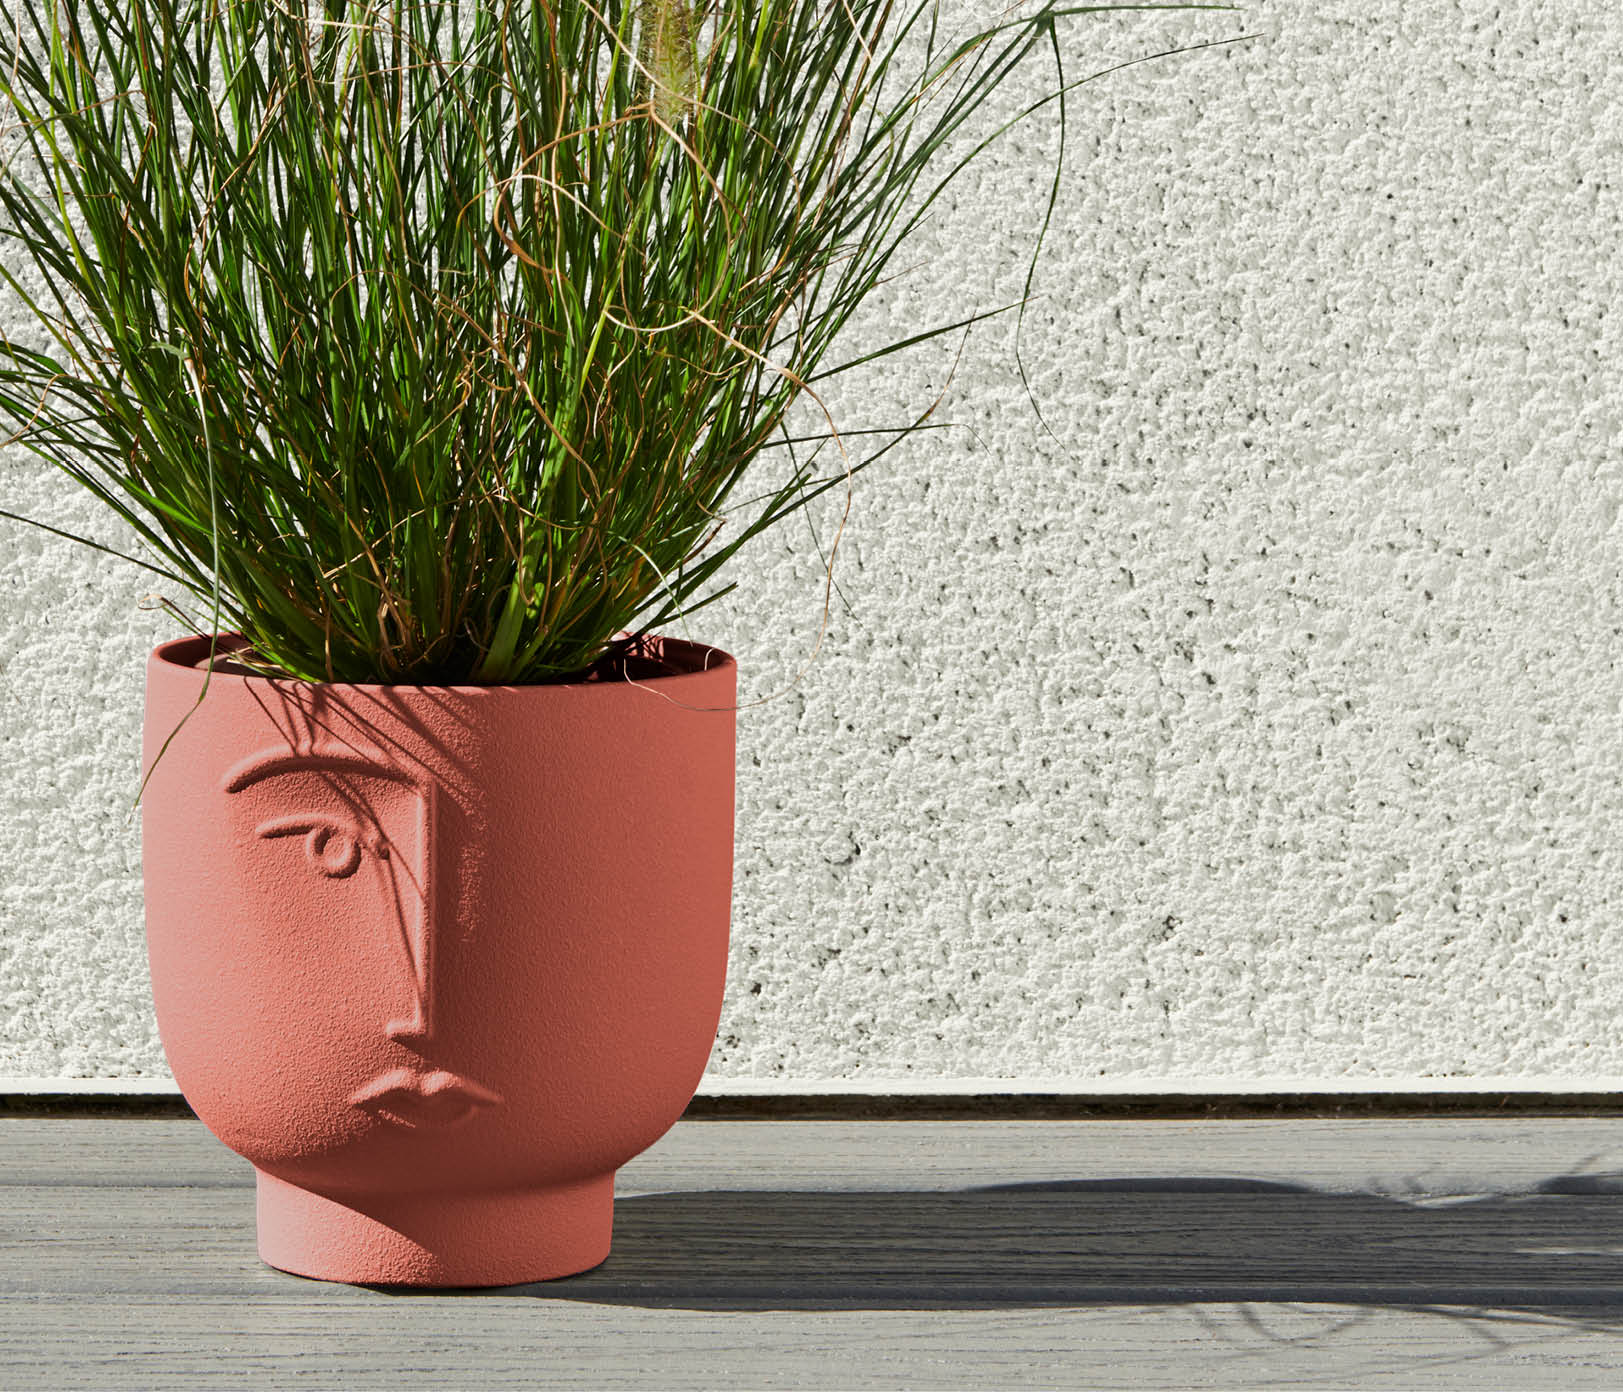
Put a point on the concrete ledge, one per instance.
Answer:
(910, 1086)
(984, 1099)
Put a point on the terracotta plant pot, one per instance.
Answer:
(438, 960)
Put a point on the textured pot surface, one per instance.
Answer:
(438, 960)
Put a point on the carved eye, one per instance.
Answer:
(332, 847)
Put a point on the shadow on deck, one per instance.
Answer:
(1555, 1251)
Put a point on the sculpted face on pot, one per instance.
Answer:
(335, 927)
(408, 940)
(349, 842)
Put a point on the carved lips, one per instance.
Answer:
(411, 1098)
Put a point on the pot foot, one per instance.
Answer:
(436, 1239)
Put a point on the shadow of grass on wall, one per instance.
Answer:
(1088, 1242)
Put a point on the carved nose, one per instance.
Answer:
(412, 1033)
(408, 874)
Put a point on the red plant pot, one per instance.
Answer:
(438, 960)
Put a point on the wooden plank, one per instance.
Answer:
(118, 1151)
(762, 1254)
(502, 1342)
(1412, 1157)
(747, 1249)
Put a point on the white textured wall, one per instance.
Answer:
(1261, 721)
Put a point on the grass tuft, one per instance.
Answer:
(425, 342)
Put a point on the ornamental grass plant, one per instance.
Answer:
(427, 342)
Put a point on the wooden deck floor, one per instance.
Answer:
(1414, 1254)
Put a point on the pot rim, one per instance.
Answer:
(185, 654)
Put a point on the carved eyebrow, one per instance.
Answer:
(267, 764)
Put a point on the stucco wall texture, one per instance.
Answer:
(1254, 714)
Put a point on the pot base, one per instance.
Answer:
(437, 1239)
